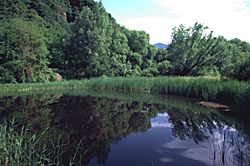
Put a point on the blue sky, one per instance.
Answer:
(229, 18)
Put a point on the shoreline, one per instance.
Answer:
(226, 92)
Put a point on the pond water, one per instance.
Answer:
(134, 129)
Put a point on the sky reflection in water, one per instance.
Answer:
(127, 132)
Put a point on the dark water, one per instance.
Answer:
(123, 130)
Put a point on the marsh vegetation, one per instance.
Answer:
(229, 92)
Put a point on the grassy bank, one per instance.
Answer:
(11, 89)
(223, 91)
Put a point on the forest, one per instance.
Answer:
(49, 40)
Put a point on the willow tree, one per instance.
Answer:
(192, 49)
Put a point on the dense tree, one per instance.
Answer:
(119, 50)
(138, 41)
(162, 62)
(243, 70)
(12, 8)
(23, 52)
(87, 49)
(140, 55)
(191, 49)
(78, 39)
(237, 60)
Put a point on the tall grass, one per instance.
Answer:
(234, 93)
(228, 92)
(19, 147)
(9, 89)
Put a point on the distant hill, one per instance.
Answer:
(161, 45)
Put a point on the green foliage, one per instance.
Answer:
(164, 68)
(138, 41)
(161, 55)
(191, 49)
(12, 8)
(244, 71)
(87, 49)
(237, 64)
(79, 39)
(100, 47)
(239, 70)
(150, 72)
(23, 52)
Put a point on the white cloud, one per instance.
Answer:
(229, 18)
(158, 27)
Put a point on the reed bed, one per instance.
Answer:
(229, 92)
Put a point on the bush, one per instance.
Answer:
(243, 71)
(239, 71)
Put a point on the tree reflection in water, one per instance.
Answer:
(98, 123)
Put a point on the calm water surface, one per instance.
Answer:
(135, 130)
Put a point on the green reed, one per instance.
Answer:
(230, 92)
(19, 146)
